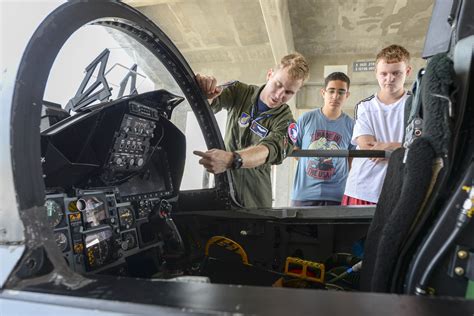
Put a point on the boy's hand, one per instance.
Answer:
(385, 147)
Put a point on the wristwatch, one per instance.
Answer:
(237, 161)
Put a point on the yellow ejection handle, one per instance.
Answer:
(228, 244)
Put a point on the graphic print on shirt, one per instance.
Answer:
(322, 167)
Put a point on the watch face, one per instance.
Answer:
(237, 162)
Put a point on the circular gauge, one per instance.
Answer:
(61, 240)
(98, 254)
(72, 206)
(54, 212)
(126, 217)
(128, 241)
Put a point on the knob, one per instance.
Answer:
(118, 161)
(459, 271)
(124, 245)
(131, 161)
(140, 162)
(462, 254)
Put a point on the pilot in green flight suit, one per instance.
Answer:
(260, 128)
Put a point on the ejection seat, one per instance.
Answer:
(418, 181)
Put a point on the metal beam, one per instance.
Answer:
(146, 3)
(277, 21)
(341, 153)
(280, 34)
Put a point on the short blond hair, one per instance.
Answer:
(393, 54)
(297, 66)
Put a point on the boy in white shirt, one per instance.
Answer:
(379, 125)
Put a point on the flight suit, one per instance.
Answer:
(246, 128)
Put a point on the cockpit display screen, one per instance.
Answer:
(98, 247)
(150, 181)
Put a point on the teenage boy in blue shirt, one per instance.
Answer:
(321, 180)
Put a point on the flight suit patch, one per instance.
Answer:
(244, 119)
(293, 132)
(258, 129)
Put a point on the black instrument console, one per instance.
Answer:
(95, 230)
(108, 170)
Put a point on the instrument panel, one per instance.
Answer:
(95, 230)
(107, 170)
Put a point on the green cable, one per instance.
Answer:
(470, 290)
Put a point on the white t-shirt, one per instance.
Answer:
(386, 124)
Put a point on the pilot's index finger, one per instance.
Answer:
(200, 153)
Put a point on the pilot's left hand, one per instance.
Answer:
(215, 160)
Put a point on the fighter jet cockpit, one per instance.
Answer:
(112, 158)
(122, 193)
(104, 200)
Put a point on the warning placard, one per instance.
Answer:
(359, 66)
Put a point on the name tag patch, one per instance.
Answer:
(258, 129)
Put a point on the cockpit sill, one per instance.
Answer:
(33, 238)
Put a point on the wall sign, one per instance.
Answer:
(359, 66)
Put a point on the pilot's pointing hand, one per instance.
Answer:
(215, 160)
(208, 85)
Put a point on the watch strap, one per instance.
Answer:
(237, 161)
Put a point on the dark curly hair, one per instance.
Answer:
(337, 76)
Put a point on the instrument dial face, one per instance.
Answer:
(54, 212)
(126, 217)
(128, 241)
(61, 241)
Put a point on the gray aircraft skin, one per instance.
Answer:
(36, 277)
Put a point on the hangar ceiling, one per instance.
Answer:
(213, 33)
(358, 27)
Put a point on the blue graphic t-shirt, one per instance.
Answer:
(322, 178)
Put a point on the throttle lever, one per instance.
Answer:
(164, 212)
